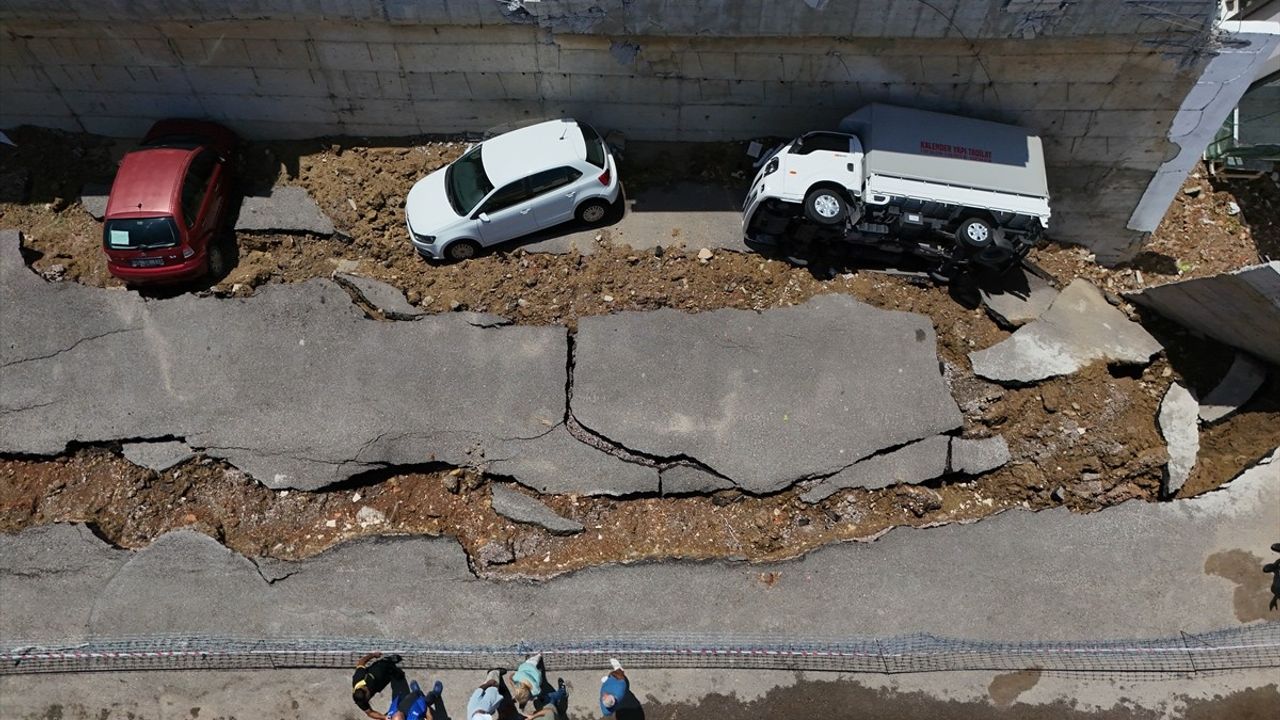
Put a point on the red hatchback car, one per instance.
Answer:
(168, 203)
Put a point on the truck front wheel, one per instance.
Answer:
(826, 205)
(975, 232)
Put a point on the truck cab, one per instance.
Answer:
(957, 191)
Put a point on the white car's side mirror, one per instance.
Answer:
(484, 217)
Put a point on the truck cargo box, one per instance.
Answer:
(917, 145)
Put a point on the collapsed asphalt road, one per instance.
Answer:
(299, 388)
(1136, 570)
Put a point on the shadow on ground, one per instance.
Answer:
(849, 701)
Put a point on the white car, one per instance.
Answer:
(512, 185)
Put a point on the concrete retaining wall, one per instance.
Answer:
(1101, 80)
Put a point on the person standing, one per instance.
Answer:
(554, 704)
(418, 705)
(526, 681)
(486, 701)
(373, 673)
(613, 688)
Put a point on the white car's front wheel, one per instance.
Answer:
(826, 205)
(461, 250)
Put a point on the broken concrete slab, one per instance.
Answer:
(93, 198)
(1018, 298)
(1178, 425)
(158, 456)
(762, 398)
(974, 456)
(1234, 390)
(1241, 309)
(287, 208)
(1080, 327)
(384, 298)
(913, 463)
(556, 463)
(93, 365)
(521, 508)
(686, 479)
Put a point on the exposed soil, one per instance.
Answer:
(1085, 441)
(1212, 227)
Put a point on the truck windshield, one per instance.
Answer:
(140, 233)
(465, 182)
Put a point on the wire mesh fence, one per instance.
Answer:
(1254, 646)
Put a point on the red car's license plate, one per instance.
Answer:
(147, 262)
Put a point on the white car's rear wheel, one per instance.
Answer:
(826, 205)
(592, 212)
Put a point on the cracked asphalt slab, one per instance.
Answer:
(295, 386)
(1134, 570)
(298, 388)
(763, 399)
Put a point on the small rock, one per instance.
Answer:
(1232, 208)
(451, 483)
(607, 298)
(705, 254)
(1090, 488)
(331, 523)
(524, 509)
(1193, 191)
(454, 306)
(918, 500)
(55, 272)
(1058, 493)
(495, 553)
(657, 251)
(522, 302)
(368, 517)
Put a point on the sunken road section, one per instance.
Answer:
(299, 388)
(1135, 570)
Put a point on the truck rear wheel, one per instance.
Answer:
(826, 205)
(976, 233)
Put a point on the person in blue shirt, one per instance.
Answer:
(613, 688)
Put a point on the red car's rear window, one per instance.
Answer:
(140, 233)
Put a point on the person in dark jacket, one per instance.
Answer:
(373, 673)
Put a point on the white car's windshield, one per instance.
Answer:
(465, 182)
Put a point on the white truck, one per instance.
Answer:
(959, 192)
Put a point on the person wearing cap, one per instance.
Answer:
(486, 701)
(613, 688)
(373, 673)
